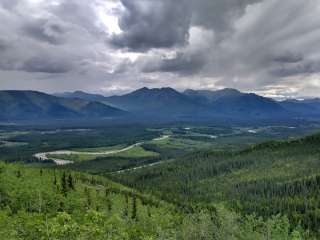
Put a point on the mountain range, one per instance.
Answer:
(164, 103)
(27, 105)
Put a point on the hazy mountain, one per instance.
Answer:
(82, 95)
(207, 96)
(20, 105)
(235, 104)
(158, 101)
(304, 108)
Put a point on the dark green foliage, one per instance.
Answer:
(54, 138)
(126, 206)
(266, 179)
(19, 174)
(33, 208)
(134, 209)
(70, 182)
(64, 184)
(103, 165)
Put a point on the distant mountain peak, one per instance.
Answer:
(151, 91)
(229, 90)
(142, 89)
(80, 92)
(155, 89)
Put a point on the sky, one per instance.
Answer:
(270, 47)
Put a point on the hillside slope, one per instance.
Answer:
(266, 179)
(55, 204)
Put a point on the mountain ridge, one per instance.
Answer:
(161, 103)
(21, 105)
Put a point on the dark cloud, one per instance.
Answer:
(308, 67)
(288, 57)
(79, 13)
(46, 65)
(218, 14)
(45, 30)
(9, 4)
(161, 24)
(4, 44)
(181, 63)
(38, 64)
(153, 24)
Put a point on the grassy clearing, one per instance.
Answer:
(100, 149)
(73, 157)
(134, 152)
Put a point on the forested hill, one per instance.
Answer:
(265, 179)
(57, 204)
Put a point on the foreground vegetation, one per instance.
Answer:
(57, 204)
(181, 182)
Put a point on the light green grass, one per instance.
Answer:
(100, 149)
(135, 152)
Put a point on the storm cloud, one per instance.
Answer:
(113, 46)
(153, 24)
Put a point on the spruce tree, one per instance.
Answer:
(64, 187)
(126, 207)
(134, 209)
(70, 182)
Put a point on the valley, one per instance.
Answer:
(193, 173)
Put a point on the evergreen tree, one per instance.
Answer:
(70, 182)
(109, 203)
(134, 209)
(126, 206)
(64, 186)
